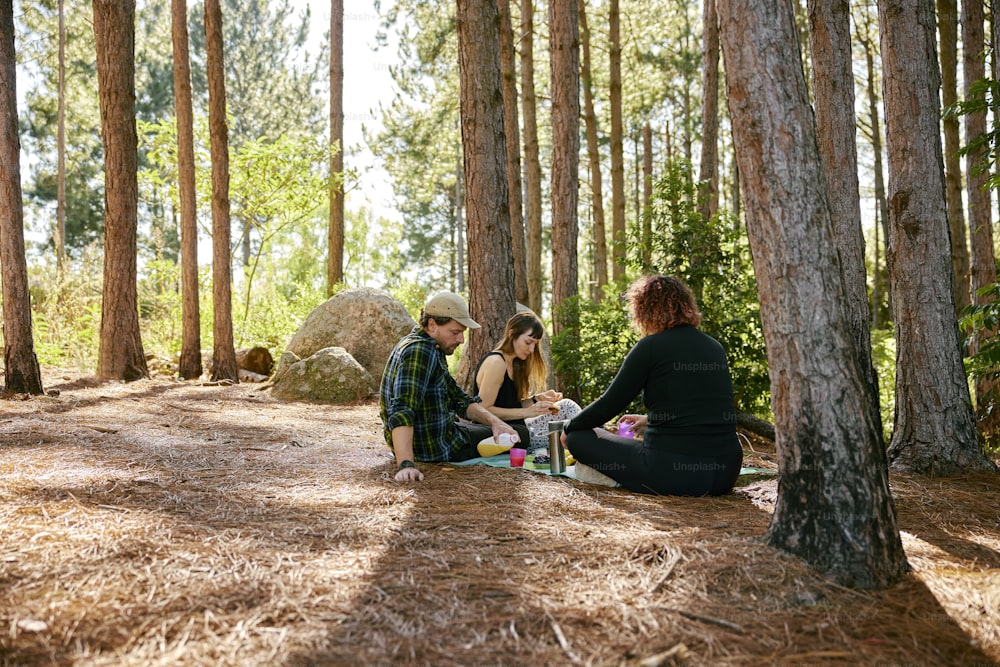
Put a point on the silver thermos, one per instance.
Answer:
(557, 456)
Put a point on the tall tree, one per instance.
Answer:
(120, 354)
(708, 175)
(947, 15)
(21, 371)
(934, 429)
(983, 264)
(335, 232)
(594, 159)
(564, 67)
(190, 359)
(532, 161)
(491, 283)
(617, 147)
(834, 508)
(223, 350)
(646, 233)
(513, 135)
(59, 237)
(836, 130)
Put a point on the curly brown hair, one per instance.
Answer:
(658, 303)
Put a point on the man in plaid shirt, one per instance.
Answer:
(420, 399)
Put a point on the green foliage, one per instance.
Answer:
(884, 361)
(713, 258)
(66, 312)
(978, 324)
(593, 352)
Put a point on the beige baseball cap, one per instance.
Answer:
(449, 304)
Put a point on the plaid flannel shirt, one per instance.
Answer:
(417, 390)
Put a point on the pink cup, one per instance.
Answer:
(626, 429)
(517, 457)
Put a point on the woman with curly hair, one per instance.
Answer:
(687, 443)
(509, 380)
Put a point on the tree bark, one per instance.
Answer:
(512, 133)
(708, 174)
(21, 371)
(491, 283)
(947, 14)
(834, 508)
(617, 145)
(647, 195)
(836, 130)
(564, 68)
(594, 158)
(120, 354)
(59, 237)
(934, 429)
(335, 232)
(190, 360)
(532, 163)
(223, 349)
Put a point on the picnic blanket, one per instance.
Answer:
(503, 461)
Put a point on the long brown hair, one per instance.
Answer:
(529, 374)
(660, 302)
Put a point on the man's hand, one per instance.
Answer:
(503, 427)
(409, 475)
(408, 472)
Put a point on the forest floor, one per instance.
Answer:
(168, 523)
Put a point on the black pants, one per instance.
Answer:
(649, 470)
(475, 433)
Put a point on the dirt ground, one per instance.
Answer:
(168, 523)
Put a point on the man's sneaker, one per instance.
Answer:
(588, 475)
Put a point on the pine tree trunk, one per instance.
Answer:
(223, 349)
(190, 359)
(21, 371)
(59, 237)
(335, 232)
(120, 354)
(594, 158)
(934, 429)
(647, 196)
(836, 129)
(513, 134)
(947, 12)
(491, 282)
(834, 509)
(708, 174)
(983, 265)
(532, 163)
(617, 147)
(564, 66)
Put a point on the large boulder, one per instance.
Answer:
(366, 322)
(331, 375)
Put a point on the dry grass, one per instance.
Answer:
(160, 523)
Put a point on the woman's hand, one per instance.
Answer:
(551, 396)
(543, 408)
(634, 424)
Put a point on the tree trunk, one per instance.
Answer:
(21, 371)
(564, 67)
(594, 157)
(335, 233)
(223, 350)
(617, 147)
(491, 283)
(120, 354)
(647, 196)
(836, 130)
(708, 175)
(934, 429)
(513, 134)
(60, 233)
(190, 360)
(983, 268)
(834, 508)
(947, 12)
(532, 163)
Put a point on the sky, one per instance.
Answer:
(367, 82)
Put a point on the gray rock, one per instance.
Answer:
(331, 375)
(364, 321)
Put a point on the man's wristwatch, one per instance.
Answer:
(406, 463)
